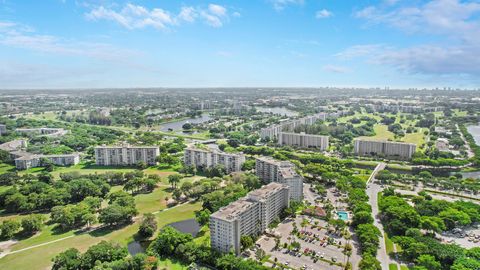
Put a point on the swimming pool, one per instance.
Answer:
(342, 215)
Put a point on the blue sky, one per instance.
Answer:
(313, 43)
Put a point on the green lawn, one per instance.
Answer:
(40, 257)
(6, 168)
(84, 168)
(393, 266)
(381, 133)
(403, 267)
(388, 244)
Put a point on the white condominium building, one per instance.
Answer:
(31, 160)
(250, 215)
(303, 140)
(207, 158)
(126, 155)
(271, 170)
(47, 132)
(384, 149)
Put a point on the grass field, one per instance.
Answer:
(6, 168)
(381, 133)
(393, 266)
(389, 244)
(40, 257)
(403, 267)
(84, 168)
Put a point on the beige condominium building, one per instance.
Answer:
(250, 215)
(207, 158)
(271, 170)
(303, 140)
(32, 160)
(365, 147)
(124, 155)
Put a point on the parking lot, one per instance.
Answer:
(319, 249)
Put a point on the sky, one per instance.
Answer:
(254, 43)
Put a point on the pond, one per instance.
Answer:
(475, 174)
(475, 131)
(277, 110)
(135, 247)
(177, 125)
(190, 226)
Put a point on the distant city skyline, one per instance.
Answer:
(262, 43)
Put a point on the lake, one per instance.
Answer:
(474, 175)
(177, 125)
(277, 110)
(190, 226)
(475, 131)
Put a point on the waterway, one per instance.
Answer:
(475, 131)
(190, 226)
(177, 125)
(277, 110)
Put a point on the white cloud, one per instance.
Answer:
(335, 69)
(322, 14)
(454, 23)
(138, 17)
(217, 10)
(281, 4)
(187, 14)
(19, 36)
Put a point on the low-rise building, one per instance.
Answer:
(32, 160)
(387, 149)
(303, 140)
(271, 170)
(208, 158)
(442, 144)
(250, 215)
(14, 145)
(125, 155)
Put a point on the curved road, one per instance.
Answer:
(372, 191)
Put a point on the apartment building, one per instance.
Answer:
(207, 158)
(303, 140)
(250, 215)
(124, 155)
(271, 170)
(274, 131)
(31, 160)
(387, 149)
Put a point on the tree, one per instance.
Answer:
(362, 217)
(167, 241)
(9, 228)
(369, 262)
(186, 188)
(102, 252)
(32, 223)
(202, 216)
(174, 179)
(246, 242)
(453, 218)
(148, 226)
(67, 260)
(428, 262)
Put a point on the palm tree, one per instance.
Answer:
(174, 179)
